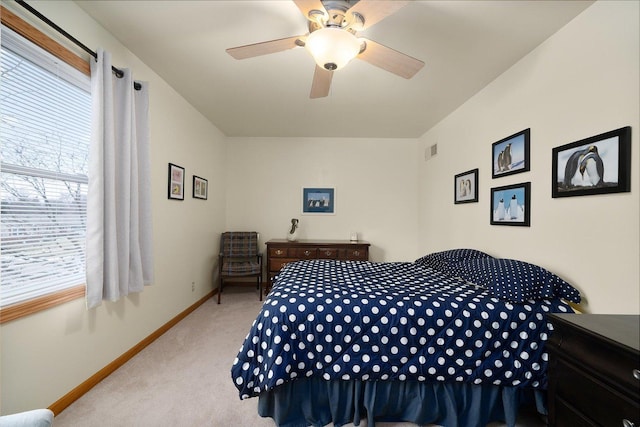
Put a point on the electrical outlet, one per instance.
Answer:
(193, 286)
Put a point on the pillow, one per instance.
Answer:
(446, 261)
(516, 281)
(564, 290)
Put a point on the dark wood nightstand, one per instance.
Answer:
(594, 370)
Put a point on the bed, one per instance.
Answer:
(456, 338)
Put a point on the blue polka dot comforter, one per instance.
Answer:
(391, 322)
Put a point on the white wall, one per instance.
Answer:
(46, 355)
(375, 180)
(581, 82)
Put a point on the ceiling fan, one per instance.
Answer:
(332, 40)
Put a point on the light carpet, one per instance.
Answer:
(183, 378)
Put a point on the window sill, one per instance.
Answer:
(21, 309)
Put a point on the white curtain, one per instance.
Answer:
(119, 230)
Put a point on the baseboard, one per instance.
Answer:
(75, 394)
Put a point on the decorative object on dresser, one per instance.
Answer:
(281, 252)
(292, 236)
(239, 257)
(594, 370)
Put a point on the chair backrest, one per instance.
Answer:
(239, 244)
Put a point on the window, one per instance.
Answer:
(45, 125)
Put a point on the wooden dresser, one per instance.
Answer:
(281, 251)
(594, 370)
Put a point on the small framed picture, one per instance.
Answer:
(318, 201)
(511, 205)
(600, 164)
(466, 187)
(200, 188)
(176, 182)
(511, 154)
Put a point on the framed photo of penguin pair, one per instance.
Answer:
(600, 164)
(511, 205)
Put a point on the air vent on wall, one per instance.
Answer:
(430, 152)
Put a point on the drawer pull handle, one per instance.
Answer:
(356, 253)
(307, 253)
(279, 252)
(627, 423)
(328, 253)
(636, 374)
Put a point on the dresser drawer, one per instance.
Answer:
(356, 254)
(568, 416)
(597, 401)
(276, 264)
(328, 253)
(304, 253)
(592, 358)
(278, 252)
(599, 358)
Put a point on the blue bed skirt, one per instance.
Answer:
(317, 402)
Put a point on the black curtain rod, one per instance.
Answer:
(53, 25)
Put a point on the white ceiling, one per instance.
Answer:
(465, 45)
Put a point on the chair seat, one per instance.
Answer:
(232, 268)
(240, 257)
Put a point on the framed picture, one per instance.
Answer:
(466, 187)
(176, 182)
(511, 205)
(597, 165)
(511, 154)
(321, 201)
(200, 188)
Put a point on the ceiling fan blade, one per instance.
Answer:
(321, 83)
(264, 48)
(307, 6)
(373, 11)
(390, 60)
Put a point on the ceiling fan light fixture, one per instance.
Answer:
(332, 48)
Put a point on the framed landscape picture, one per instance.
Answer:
(318, 201)
(511, 154)
(511, 205)
(600, 164)
(466, 187)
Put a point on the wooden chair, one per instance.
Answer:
(239, 257)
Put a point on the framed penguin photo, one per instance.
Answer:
(318, 201)
(600, 164)
(510, 155)
(511, 205)
(466, 187)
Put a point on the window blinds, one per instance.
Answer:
(45, 112)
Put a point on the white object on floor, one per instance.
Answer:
(33, 418)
